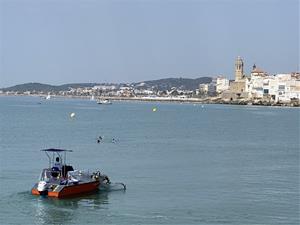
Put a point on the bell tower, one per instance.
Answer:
(239, 69)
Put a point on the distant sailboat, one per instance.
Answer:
(92, 98)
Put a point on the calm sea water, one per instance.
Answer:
(183, 164)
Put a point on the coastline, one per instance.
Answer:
(208, 100)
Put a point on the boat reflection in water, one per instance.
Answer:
(65, 211)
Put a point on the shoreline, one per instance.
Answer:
(209, 100)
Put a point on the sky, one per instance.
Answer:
(70, 41)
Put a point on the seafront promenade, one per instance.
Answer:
(207, 100)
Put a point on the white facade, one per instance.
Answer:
(255, 86)
(104, 87)
(281, 87)
(203, 88)
(222, 84)
(143, 92)
(293, 89)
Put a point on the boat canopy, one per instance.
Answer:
(52, 153)
(56, 150)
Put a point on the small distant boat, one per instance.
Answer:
(48, 97)
(104, 102)
(60, 180)
(92, 98)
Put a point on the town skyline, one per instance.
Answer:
(257, 88)
(230, 78)
(121, 42)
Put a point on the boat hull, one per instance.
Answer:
(64, 191)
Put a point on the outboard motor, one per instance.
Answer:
(42, 188)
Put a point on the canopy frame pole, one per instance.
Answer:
(49, 159)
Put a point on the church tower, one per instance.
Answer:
(239, 69)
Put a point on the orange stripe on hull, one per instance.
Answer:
(77, 189)
(35, 192)
(67, 191)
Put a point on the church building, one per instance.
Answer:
(238, 87)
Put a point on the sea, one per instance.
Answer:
(181, 163)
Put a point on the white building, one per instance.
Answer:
(279, 88)
(293, 89)
(143, 92)
(203, 88)
(104, 87)
(255, 84)
(222, 84)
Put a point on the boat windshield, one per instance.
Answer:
(45, 175)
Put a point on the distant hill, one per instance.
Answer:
(31, 87)
(46, 87)
(161, 84)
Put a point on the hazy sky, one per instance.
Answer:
(64, 41)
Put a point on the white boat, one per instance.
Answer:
(104, 102)
(48, 97)
(60, 180)
(92, 98)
